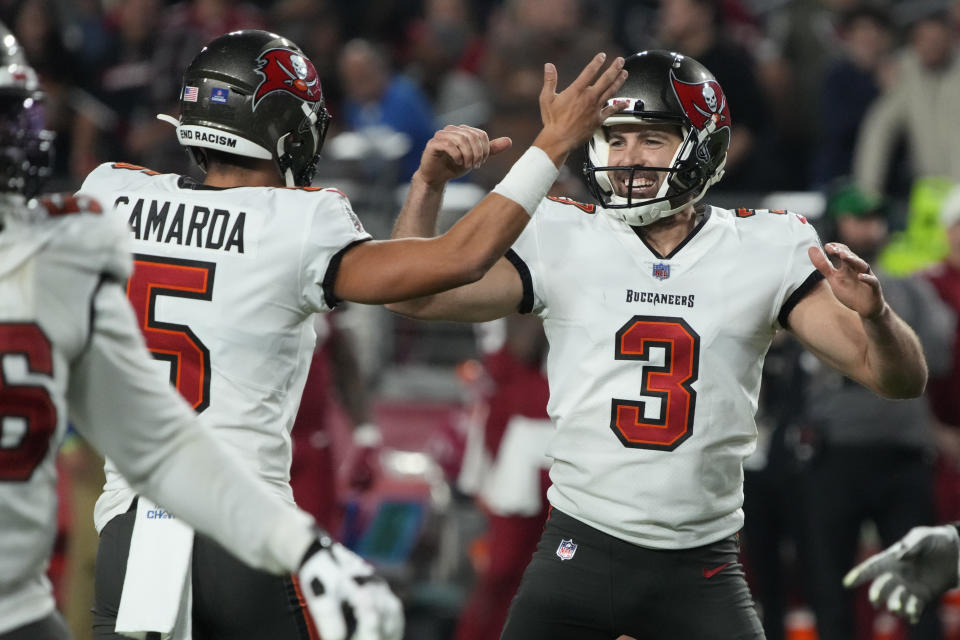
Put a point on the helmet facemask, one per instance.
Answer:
(26, 146)
(298, 152)
(663, 88)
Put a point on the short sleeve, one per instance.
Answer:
(800, 276)
(333, 228)
(525, 257)
(118, 263)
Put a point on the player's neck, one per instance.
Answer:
(666, 234)
(223, 176)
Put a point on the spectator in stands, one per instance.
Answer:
(317, 27)
(945, 399)
(920, 105)
(695, 28)
(117, 88)
(38, 28)
(334, 381)
(513, 484)
(521, 36)
(873, 457)
(185, 28)
(376, 99)
(443, 49)
(770, 486)
(849, 86)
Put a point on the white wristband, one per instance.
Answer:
(529, 180)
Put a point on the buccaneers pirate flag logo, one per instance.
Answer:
(286, 70)
(703, 102)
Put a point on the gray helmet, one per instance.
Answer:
(664, 87)
(253, 93)
(26, 146)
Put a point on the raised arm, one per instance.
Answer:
(380, 272)
(846, 322)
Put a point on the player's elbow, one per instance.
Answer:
(475, 265)
(905, 386)
(406, 308)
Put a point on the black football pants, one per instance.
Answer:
(610, 587)
(231, 601)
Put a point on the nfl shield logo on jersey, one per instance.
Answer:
(566, 549)
(661, 270)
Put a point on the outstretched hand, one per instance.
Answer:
(850, 277)
(344, 596)
(455, 150)
(571, 116)
(906, 576)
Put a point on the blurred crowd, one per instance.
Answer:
(818, 88)
(846, 107)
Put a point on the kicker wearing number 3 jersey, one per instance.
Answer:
(654, 362)
(659, 312)
(225, 282)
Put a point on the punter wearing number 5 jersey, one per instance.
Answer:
(659, 311)
(229, 272)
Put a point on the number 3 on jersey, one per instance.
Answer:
(670, 382)
(189, 358)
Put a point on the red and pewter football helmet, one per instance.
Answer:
(664, 87)
(253, 93)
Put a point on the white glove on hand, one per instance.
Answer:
(911, 572)
(345, 598)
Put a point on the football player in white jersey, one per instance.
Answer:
(659, 312)
(228, 273)
(70, 348)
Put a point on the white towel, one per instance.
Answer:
(156, 591)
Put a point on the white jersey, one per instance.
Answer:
(50, 270)
(655, 362)
(70, 349)
(224, 286)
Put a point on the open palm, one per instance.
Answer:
(850, 278)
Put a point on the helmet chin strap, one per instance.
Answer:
(288, 177)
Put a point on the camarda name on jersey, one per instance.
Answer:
(185, 225)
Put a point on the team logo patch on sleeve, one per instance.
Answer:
(566, 549)
(661, 270)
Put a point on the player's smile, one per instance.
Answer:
(641, 145)
(639, 184)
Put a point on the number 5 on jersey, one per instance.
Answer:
(671, 382)
(189, 358)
